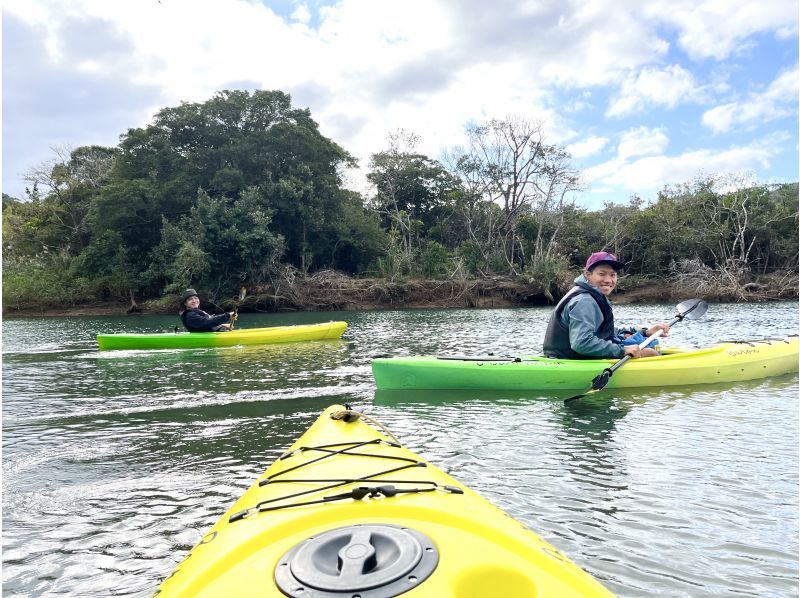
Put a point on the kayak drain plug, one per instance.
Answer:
(379, 560)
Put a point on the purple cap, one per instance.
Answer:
(603, 257)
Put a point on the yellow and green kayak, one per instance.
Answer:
(247, 336)
(724, 362)
(348, 512)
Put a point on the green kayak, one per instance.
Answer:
(247, 336)
(724, 362)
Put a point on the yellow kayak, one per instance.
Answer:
(245, 336)
(349, 512)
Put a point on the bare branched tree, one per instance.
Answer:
(386, 167)
(68, 179)
(508, 162)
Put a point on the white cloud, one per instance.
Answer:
(642, 141)
(301, 14)
(717, 29)
(653, 86)
(588, 147)
(365, 68)
(777, 101)
(648, 174)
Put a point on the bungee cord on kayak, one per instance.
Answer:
(330, 453)
(358, 493)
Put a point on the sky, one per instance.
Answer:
(642, 94)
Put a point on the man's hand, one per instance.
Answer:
(634, 351)
(656, 327)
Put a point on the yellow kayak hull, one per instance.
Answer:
(255, 549)
(246, 336)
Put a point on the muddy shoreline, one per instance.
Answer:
(363, 295)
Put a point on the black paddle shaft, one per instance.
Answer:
(603, 378)
(691, 309)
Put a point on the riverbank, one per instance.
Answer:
(331, 291)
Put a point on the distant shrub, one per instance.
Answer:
(434, 260)
(550, 276)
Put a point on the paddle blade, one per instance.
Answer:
(242, 294)
(600, 381)
(692, 309)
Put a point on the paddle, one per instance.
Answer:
(691, 309)
(242, 295)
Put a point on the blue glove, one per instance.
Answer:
(635, 339)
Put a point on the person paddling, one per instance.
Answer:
(582, 325)
(196, 320)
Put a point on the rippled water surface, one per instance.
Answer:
(115, 463)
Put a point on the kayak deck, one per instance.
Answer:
(344, 488)
(247, 336)
(724, 362)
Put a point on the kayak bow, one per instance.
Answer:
(348, 511)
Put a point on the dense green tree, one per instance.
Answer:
(237, 140)
(353, 237)
(412, 192)
(133, 210)
(104, 267)
(219, 245)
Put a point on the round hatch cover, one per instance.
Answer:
(364, 561)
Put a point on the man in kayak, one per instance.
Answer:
(196, 320)
(582, 325)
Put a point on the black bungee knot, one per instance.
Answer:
(371, 491)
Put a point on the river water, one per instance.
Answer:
(115, 463)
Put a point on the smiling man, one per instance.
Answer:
(582, 325)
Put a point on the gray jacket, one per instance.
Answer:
(582, 316)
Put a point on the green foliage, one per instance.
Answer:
(41, 280)
(226, 192)
(190, 266)
(218, 245)
(103, 268)
(434, 260)
(411, 183)
(395, 264)
(474, 262)
(353, 237)
(132, 210)
(549, 276)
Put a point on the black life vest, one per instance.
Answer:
(556, 337)
(182, 314)
(206, 327)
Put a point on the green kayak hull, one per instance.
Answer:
(247, 336)
(723, 362)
